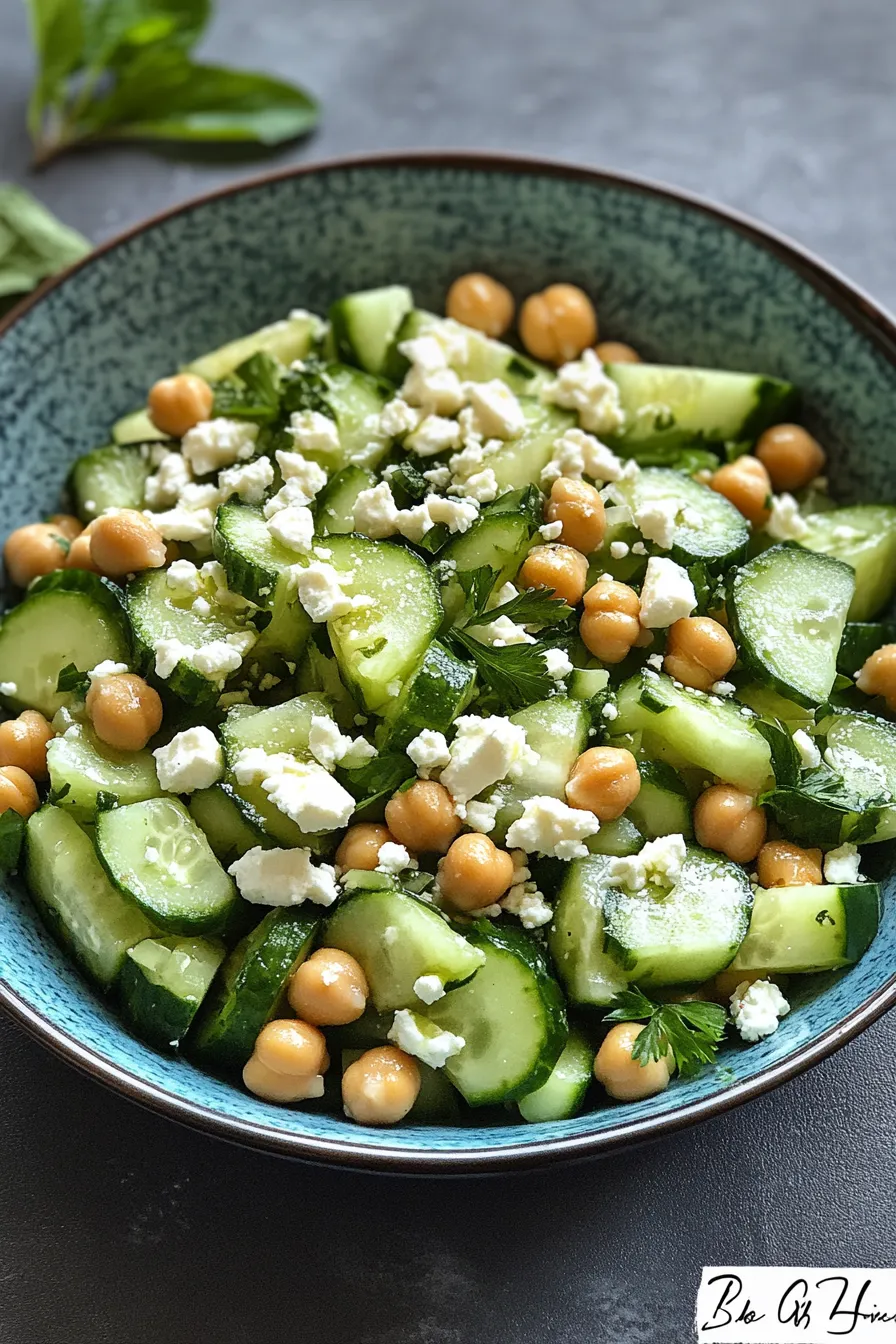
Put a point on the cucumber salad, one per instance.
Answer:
(407, 718)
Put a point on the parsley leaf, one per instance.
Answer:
(12, 833)
(253, 393)
(823, 809)
(72, 679)
(516, 673)
(535, 606)
(33, 244)
(691, 1031)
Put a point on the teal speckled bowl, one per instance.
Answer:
(681, 280)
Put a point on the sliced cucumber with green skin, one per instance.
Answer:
(511, 1016)
(561, 1097)
(136, 427)
(318, 671)
(163, 982)
(860, 640)
(69, 616)
(81, 767)
(286, 340)
(864, 537)
(397, 938)
(378, 646)
(335, 505)
(521, 461)
(253, 560)
(556, 730)
(787, 609)
(500, 542)
(683, 727)
(251, 989)
(862, 748)
(709, 528)
(587, 682)
(592, 975)
(75, 898)
(353, 399)
(662, 806)
(686, 935)
(156, 854)
(672, 407)
(364, 325)
(434, 695)
(108, 478)
(769, 704)
(485, 358)
(616, 838)
(228, 822)
(813, 928)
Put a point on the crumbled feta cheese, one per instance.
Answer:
(249, 481)
(482, 486)
(398, 418)
(609, 711)
(841, 866)
(151, 854)
(458, 515)
(429, 752)
(429, 988)
(213, 444)
(284, 877)
(429, 382)
(302, 790)
(659, 862)
(526, 902)
(8, 688)
(217, 659)
(551, 531)
(582, 386)
(667, 593)
(182, 578)
(757, 1009)
(107, 669)
(484, 751)
(619, 549)
(184, 524)
(558, 664)
(392, 858)
(313, 432)
(723, 688)
(551, 827)
(293, 527)
(496, 413)
(481, 816)
(577, 454)
(501, 632)
(785, 522)
(375, 512)
(438, 477)
(322, 595)
(656, 520)
(192, 760)
(639, 548)
(655, 660)
(431, 1047)
(168, 653)
(809, 754)
(309, 477)
(164, 487)
(330, 747)
(435, 434)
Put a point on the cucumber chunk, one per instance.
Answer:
(286, 340)
(364, 324)
(862, 748)
(709, 528)
(319, 671)
(156, 854)
(163, 982)
(812, 928)
(353, 399)
(562, 1095)
(499, 541)
(616, 838)
(258, 568)
(136, 427)
(335, 505)
(662, 806)
(108, 478)
(435, 694)
(511, 1016)
(398, 938)
(75, 898)
(475, 356)
(860, 640)
(686, 935)
(587, 682)
(81, 767)
(228, 822)
(251, 988)
(70, 616)
(556, 730)
(592, 975)
(521, 461)
(863, 536)
(787, 609)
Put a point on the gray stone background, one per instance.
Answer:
(118, 1227)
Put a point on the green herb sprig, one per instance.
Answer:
(33, 244)
(690, 1031)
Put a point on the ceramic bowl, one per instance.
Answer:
(681, 280)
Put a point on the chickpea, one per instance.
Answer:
(878, 675)
(381, 1086)
(479, 301)
(728, 820)
(699, 651)
(66, 524)
(791, 456)
(177, 404)
(79, 556)
(23, 742)
(38, 548)
(422, 818)
(610, 624)
(557, 324)
(283, 1087)
(627, 1079)
(781, 864)
(604, 780)
(745, 484)
(287, 1045)
(616, 352)
(579, 507)
(17, 791)
(557, 567)
(360, 846)
(124, 710)
(125, 542)
(329, 989)
(474, 873)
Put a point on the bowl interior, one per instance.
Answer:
(671, 277)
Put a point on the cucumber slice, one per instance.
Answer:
(787, 609)
(511, 1016)
(76, 899)
(684, 727)
(862, 748)
(70, 616)
(562, 1095)
(163, 982)
(671, 407)
(860, 640)
(108, 478)
(499, 541)
(812, 928)
(768, 704)
(398, 938)
(710, 530)
(319, 671)
(286, 340)
(335, 511)
(616, 838)
(591, 974)
(156, 854)
(557, 730)
(364, 325)
(864, 537)
(587, 682)
(82, 767)
(434, 695)
(521, 461)
(136, 427)
(378, 646)
(251, 989)
(353, 399)
(686, 935)
(253, 560)
(662, 806)
(228, 822)
(479, 357)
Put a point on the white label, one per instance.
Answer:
(762, 1305)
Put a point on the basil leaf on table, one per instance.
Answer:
(33, 243)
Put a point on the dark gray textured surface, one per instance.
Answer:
(117, 1226)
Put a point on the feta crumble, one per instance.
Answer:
(553, 828)
(397, 418)
(309, 477)
(430, 383)
(841, 865)
(107, 669)
(431, 1047)
(481, 816)
(249, 481)
(619, 549)
(667, 593)
(496, 413)
(375, 512)
(526, 902)
(392, 858)
(435, 434)
(809, 754)
(582, 386)
(757, 1009)
(321, 593)
(577, 454)
(302, 790)
(293, 527)
(656, 519)
(182, 578)
(785, 522)
(330, 747)
(552, 531)
(192, 760)
(558, 664)
(313, 432)
(284, 877)
(484, 751)
(429, 752)
(213, 444)
(723, 688)
(163, 488)
(659, 862)
(429, 988)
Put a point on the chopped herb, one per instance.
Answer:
(516, 673)
(536, 606)
(691, 1031)
(12, 833)
(72, 679)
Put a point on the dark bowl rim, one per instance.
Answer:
(867, 316)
